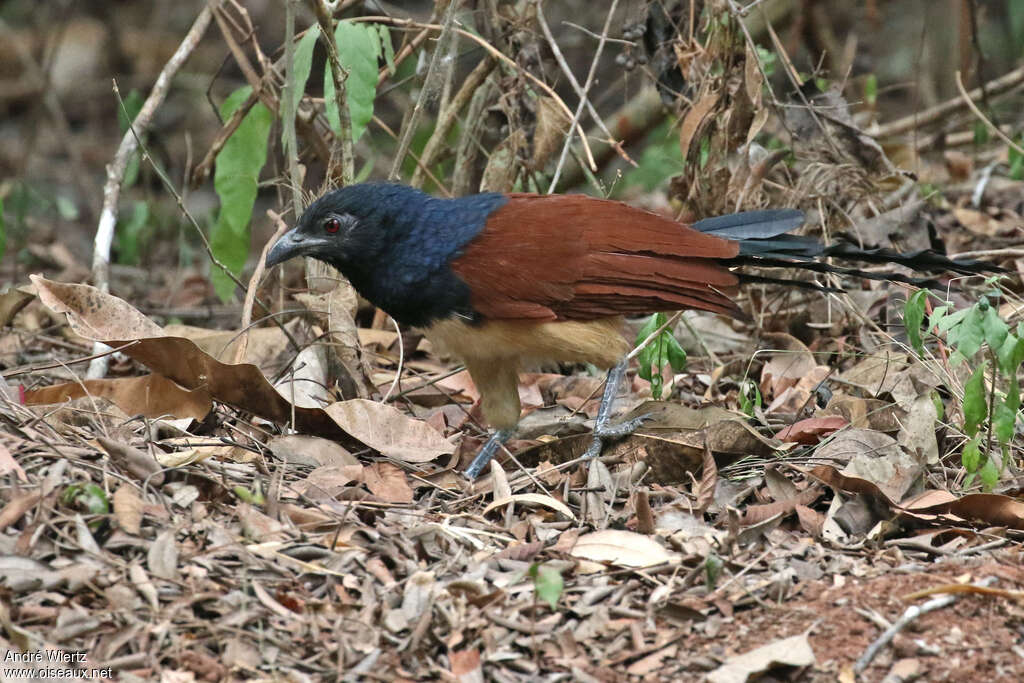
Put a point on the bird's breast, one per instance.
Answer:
(600, 342)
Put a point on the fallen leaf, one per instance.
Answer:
(387, 482)
(811, 430)
(793, 651)
(532, 499)
(621, 547)
(385, 429)
(152, 396)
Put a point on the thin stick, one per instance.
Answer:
(254, 281)
(104, 239)
(911, 613)
(427, 91)
(339, 76)
(582, 92)
(497, 54)
(401, 362)
(941, 111)
(984, 119)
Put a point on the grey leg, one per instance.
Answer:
(602, 430)
(487, 452)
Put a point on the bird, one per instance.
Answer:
(503, 280)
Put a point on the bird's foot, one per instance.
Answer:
(615, 431)
(487, 452)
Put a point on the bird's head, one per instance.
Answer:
(346, 225)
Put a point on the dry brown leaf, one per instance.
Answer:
(991, 508)
(162, 559)
(708, 480)
(383, 428)
(792, 651)
(329, 481)
(811, 430)
(138, 464)
(128, 509)
(12, 300)
(9, 464)
(298, 449)
(695, 120)
(466, 666)
(387, 482)
(152, 396)
(102, 317)
(532, 499)
(791, 363)
(621, 547)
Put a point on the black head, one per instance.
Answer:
(347, 225)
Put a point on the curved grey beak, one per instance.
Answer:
(291, 244)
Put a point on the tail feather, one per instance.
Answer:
(764, 242)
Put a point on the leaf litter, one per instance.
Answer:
(275, 516)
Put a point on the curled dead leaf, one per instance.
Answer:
(621, 547)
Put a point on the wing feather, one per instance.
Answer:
(565, 257)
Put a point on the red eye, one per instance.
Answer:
(332, 225)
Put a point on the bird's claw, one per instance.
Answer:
(615, 431)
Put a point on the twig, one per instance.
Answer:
(339, 76)
(497, 54)
(582, 92)
(115, 170)
(654, 335)
(254, 281)
(908, 616)
(427, 91)
(447, 118)
(941, 112)
(401, 362)
(169, 186)
(984, 119)
(289, 110)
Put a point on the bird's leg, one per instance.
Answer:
(602, 430)
(489, 450)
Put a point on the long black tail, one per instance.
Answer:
(764, 242)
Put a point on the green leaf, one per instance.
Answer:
(129, 234)
(989, 474)
(132, 106)
(660, 160)
(359, 49)
(938, 313)
(970, 457)
(676, 353)
(548, 583)
(1004, 421)
(713, 565)
(747, 405)
(994, 328)
(301, 66)
(975, 407)
(3, 230)
(970, 332)
(389, 49)
(1007, 353)
(89, 497)
(235, 180)
(913, 316)
(871, 89)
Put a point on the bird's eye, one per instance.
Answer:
(332, 225)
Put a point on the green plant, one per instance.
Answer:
(88, 497)
(979, 335)
(235, 180)
(661, 351)
(547, 582)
